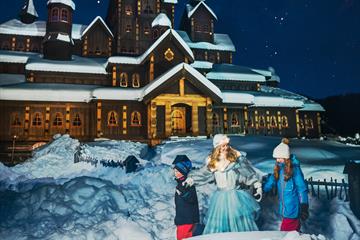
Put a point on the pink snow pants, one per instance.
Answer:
(184, 231)
(289, 224)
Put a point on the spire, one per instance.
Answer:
(28, 13)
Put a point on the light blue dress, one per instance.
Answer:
(231, 209)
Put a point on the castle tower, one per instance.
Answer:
(58, 42)
(131, 22)
(28, 13)
(198, 21)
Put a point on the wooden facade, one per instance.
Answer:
(184, 103)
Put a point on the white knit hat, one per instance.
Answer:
(220, 139)
(282, 150)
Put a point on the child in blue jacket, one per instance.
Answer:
(292, 189)
(186, 202)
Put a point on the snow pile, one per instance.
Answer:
(263, 235)
(68, 211)
(355, 141)
(116, 151)
(59, 199)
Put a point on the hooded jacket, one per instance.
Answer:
(291, 193)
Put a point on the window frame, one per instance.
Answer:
(132, 123)
(116, 118)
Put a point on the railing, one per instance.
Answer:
(331, 188)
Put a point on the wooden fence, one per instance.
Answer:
(331, 188)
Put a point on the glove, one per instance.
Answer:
(188, 182)
(258, 191)
(304, 211)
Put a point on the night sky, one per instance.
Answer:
(314, 45)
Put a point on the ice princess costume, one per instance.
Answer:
(231, 209)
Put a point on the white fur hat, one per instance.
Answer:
(220, 139)
(282, 150)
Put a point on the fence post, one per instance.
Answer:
(326, 188)
(318, 190)
(336, 186)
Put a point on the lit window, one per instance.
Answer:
(301, 123)
(285, 122)
(15, 122)
(128, 10)
(215, 120)
(273, 122)
(77, 120)
(55, 15)
(310, 124)
(64, 15)
(135, 119)
(262, 122)
(147, 30)
(37, 119)
(112, 119)
(97, 51)
(123, 80)
(128, 28)
(58, 120)
(136, 80)
(234, 120)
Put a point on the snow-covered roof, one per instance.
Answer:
(182, 66)
(69, 3)
(271, 76)
(15, 56)
(237, 97)
(47, 92)
(170, 1)
(269, 101)
(77, 65)
(312, 107)
(117, 94)
(35, 29)
(57, 92)
(30, 8)
(222, 42)
(64, 38)
(141, 58)
(98, 18)
(202, 65)
(191, 10)
(234, 73)
(8, 79)
(161, 20)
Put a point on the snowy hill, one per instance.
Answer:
(51, 197)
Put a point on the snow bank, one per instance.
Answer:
(263, 235)
(56, 198)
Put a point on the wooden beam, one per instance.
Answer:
(319, 122)
(47, 120)
(279, 122)
(297, 123)
(27, 120)
(167, 119)
(195, 119)
(98, 117)
(246, 119)
(152, 68)
(67, 119)
(256, 121)
(225, 123)
(209, 123)
(124, 120)
(182, 87)
(114, 76)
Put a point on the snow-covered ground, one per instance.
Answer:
(51, 197)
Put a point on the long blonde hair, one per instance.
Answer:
(214, 157)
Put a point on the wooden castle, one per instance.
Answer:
(133, 76)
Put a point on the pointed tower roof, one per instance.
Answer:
(69, 3)
(161, 20)
(191, 10)
(30, 8)
(28, 13)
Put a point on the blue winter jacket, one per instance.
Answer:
(291, 193)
